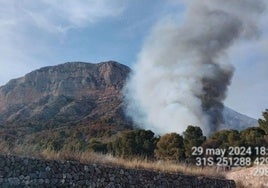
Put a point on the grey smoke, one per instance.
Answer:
(182, 73)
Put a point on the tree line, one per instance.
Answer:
(171, 146)
(179, 147)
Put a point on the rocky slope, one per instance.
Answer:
(235, 120)
(80, 94)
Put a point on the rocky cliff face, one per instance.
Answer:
(71, 93)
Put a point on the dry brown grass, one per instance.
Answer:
(248, 178)
(109, 160)
(133, 163)
(21, 150)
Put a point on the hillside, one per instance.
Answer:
(70, 98)
(235, 120)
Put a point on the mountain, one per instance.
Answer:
(75, 100)
(235, 120)
(72, 97)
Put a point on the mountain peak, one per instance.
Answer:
(55, 87)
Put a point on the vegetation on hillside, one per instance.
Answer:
(142, 143)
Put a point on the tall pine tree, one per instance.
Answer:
(193, 137)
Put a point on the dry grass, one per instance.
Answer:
(244, 177)
(21, 150)
(249, 178)
(109, 160)
(133, 163)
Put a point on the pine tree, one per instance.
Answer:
(193, 137)
(263, 123)
(253, 136)
(170, 147)
(134, 143)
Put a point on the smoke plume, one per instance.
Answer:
(183, 72)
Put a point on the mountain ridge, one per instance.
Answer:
(241, 121)
(78, 97)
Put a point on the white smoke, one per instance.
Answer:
(182, 72)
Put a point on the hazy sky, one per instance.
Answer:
(40, 33)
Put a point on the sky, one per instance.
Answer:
(34, 34)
